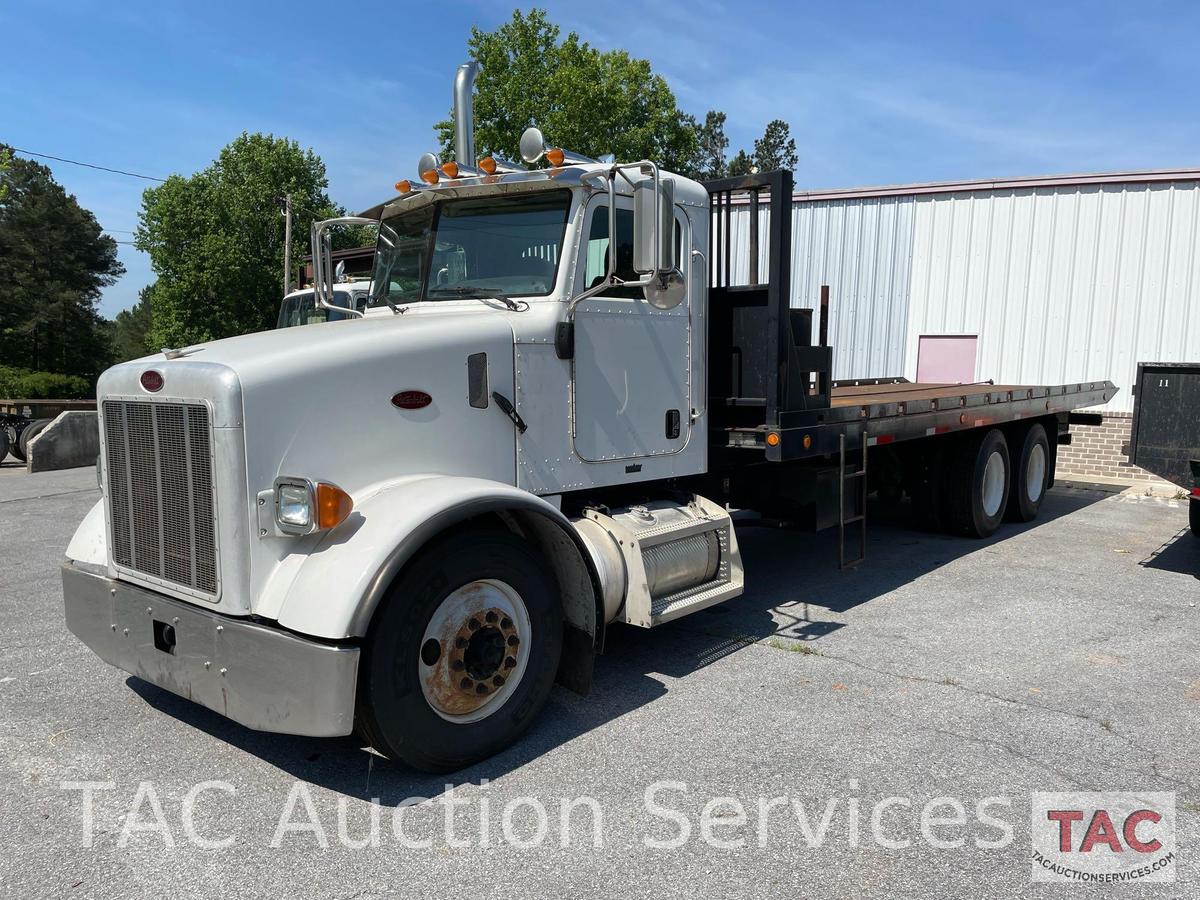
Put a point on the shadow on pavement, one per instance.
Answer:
(793, 584)
(1180, 554)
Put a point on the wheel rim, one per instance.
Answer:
(1035, 473)
(993, 484)
(474, 651)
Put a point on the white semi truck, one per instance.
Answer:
(413, 522)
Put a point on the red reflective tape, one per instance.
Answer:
(1196, 492)
(882, 439)
(937, 429)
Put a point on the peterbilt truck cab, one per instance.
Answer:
(422, 581)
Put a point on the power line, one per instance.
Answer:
(76, 162)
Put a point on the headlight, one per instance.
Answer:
(294, 506)
(303, 506)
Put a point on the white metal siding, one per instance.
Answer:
(1061, 284)
(861, 248)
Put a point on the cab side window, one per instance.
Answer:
(597, 252)
(598, 248)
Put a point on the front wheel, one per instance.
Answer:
(1194, 517)
(463, 652)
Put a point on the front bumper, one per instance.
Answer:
(264, 678)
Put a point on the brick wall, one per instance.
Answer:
(1102, 450)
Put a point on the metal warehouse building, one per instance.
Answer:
(1026, 280)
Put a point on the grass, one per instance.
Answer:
(793, 647)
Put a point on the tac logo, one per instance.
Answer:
(1107, 837)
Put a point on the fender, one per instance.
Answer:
(338, 586)
(89, 544)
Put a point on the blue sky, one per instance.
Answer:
(876, 93)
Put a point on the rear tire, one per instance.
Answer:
(977, 493)
(462, 654)
(1030, 476)
(32, 430)
(14, 446)
(3, 443)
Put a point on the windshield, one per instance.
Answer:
(301, 309)
(474, 247)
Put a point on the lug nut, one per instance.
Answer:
(513, 640)
(481, 688)
(510, 663)
(498, 680)
(491, 616)
(460, 642)
(473, 624)
(506, 623)
(465, 684)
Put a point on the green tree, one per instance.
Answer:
(741, 164)
(711, 147)
(5, 162)
(54, 261)
(131, 328)
(776, 149)
(590, 101)
(215, 239)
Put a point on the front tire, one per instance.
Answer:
(1194, 517)
(1030, 477)
(462, 654)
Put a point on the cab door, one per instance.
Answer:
(632, 363)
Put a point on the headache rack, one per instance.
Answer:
(770, 382)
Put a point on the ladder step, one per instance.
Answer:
(853, 519)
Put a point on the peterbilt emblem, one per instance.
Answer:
(411, 400)
(152, 380)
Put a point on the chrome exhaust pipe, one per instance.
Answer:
(464, 114)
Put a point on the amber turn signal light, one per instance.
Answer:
(333, 505)
(430, 176)
(450, 169)
(487, 165)
(404, 186)
(772, 439)
(555, 156)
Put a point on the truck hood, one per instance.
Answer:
(317, 401)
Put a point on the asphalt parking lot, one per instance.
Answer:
(1055, 657)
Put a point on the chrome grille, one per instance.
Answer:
(160, 491)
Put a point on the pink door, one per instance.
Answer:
(946, 358)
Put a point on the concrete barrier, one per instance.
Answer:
(70, 441)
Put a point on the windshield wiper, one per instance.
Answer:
(476, 292)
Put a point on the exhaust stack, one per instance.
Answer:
(464, 114)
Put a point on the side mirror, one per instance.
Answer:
(322, 256)
(654, 243)
(654, 227)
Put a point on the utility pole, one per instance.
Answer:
(287, 244)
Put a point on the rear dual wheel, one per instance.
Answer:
(463, 653)
(976, 496)
(1031, 475)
